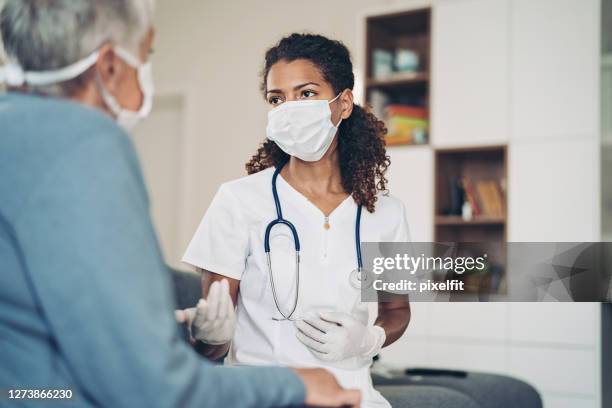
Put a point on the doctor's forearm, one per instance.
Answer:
(210, 351)
(393, 317)
(216, 351)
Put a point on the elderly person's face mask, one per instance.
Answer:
(125, 117)
(13, 75)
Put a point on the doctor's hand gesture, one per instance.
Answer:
(213, 320)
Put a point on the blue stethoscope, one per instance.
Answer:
(356, 277)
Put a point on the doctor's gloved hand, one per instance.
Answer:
(336, 336)
(213, 320)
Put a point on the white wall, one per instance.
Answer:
(533, 85)
(160, 144)
(554, 115)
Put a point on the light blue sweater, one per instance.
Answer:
(85, 298)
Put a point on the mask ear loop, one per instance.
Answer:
(108, 99)
(128, 57)
(14, 75)
(333, 100)
(336, 97)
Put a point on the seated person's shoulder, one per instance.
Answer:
(56, 121)
(47, 138)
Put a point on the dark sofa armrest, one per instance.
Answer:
(187, 288)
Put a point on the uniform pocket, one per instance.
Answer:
(255, 284)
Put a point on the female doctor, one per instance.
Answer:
(315, 185)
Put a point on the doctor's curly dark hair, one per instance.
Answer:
(361, 144)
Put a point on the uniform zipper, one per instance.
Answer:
(326, 227)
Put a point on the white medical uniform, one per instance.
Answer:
(230, 241)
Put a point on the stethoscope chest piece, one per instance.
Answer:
(360, 279)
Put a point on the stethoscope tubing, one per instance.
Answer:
(358, 239)
(296, 241)
(279, 217)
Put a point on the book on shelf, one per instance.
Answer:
(484, 196)
(414, 112)
(470, 196)
(408, 123)
(491, 198)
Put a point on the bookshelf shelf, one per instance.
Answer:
(475, 174)
(397, 73)
(459, 221)
(399, 80)
(401, 97)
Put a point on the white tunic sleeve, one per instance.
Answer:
(402, 233)
(402, 244)
(220, 244)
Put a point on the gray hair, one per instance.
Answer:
(43, 35)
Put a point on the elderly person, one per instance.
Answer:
(85, 298)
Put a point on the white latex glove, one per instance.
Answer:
(213, 320)
(336, 336)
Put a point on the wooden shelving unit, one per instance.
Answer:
(456, 220)
(405, 81)
(409, 30)
(485, 232)
(481, 163)
(389, 93)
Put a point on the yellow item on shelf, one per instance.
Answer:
(403, 129)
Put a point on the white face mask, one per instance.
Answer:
(303, 129)
(13, 75)
(127, 118)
